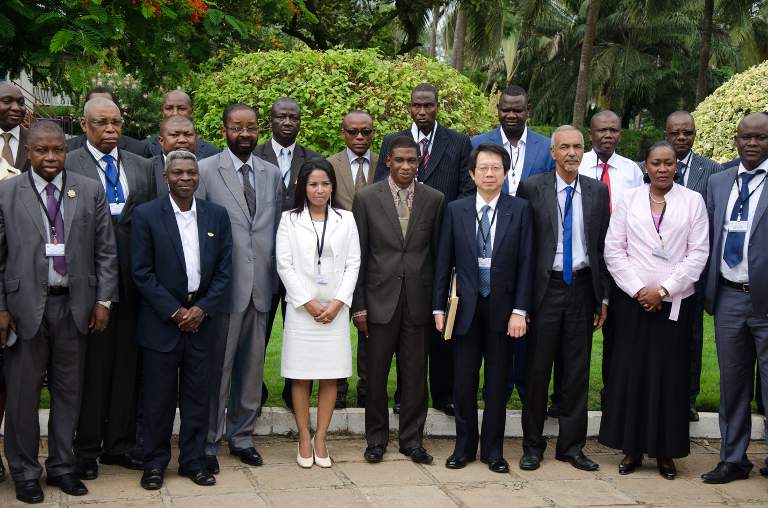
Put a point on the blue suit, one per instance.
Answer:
(537, 156)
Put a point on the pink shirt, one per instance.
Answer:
(632, 240)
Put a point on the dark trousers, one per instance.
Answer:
(440, 369)
(401, 334)
(516, 371)
(609, 332)
(469, 351)
(562, 329)
(182, 374)
(108, 411)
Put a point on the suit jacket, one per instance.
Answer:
(141, 188)
(446, 170)
(160, 272)
(541, 192)
(345, 184)
(91, 253)
(254, 277)
(538, 158)
(22, 162)
(158, 168)
(699, 172)
(301, 154)
(720, 185)
(203, 149)
(388, 259)
(126, 143)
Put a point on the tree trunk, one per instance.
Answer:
(433, 34)
(585, 65)
(458, 38)
(706, 51)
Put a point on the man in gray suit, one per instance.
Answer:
(58, 275)
(176, 133)
(107, 425)
(251, 190)
(736, 293)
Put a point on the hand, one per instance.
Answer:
(99, 318)
(329, 312)
(599, 319)
(517, 326)
(440, 322)
(649, 299)
(314, 308)
(6, 325)
(178, 317)
(192, 319)
(361, 322)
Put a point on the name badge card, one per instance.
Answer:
(661, 252)
(321, 279)
(484, 262)
(54, 249)
(737, 226)
(116, 208)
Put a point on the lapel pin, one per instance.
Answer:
(210, 234)
(71, 194)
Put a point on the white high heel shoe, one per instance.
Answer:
(321, 461)
(306, 463)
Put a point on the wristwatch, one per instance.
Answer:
(106, 304)
(663, 293)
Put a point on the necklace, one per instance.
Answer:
(657, 202)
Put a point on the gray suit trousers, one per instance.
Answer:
(59, 348)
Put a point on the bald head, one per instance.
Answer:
(98, 103)
(46, 149)
(680, 132)
(752, 140)
(177, 102)
(605, 133)
(12, 106)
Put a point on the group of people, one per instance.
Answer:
(138, 276)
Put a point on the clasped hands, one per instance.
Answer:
(649, 299)
(189, 320)
(323, 313)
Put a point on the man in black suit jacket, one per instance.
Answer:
(176, 133)
(443, 166)
(185, 296)
(12, 113)
(571, 285)
(107, 424)
(489, 239)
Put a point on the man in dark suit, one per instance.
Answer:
(186, 296)
(58, 275)
(178, 103)
(398, 221)
(107, 424)
(736, 293)
(443, 166)
(488, 238)
(13, 135)
(176, 133)
(570, 297)
(283, 151)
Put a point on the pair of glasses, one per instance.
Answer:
(357, 132)
(103, 123)
(238, 130)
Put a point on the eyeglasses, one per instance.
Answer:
(489, 169)
(356, 132)
(102, 123)
(238, 130)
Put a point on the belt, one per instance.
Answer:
(584, 272)
(741, 286)
(58, 290)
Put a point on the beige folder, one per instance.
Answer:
(451, 308)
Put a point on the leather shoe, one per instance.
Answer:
(499, 465)
(725, 472)
(579, 461)
(693, 415)
(457, 462)
(417, 454)
(68, 483)
(87, 469)
(199, 476)
(667, 468)
(374, 454)
(248, 456)
(152, 479)
(530, 462)
(448, 409)
(125, 460)
(764, 471)
(29, 491)
(630, 463)
(340, 404)
(212, 464)
(396, 408)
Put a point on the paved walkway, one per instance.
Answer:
(399, 482)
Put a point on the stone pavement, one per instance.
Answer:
(399, 482)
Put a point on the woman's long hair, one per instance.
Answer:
(300, 190)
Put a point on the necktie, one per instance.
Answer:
(424, 154)
(59, 263)
(403, 213)
(113, 187)
(568, 236)
(360, 176)
(285, 166)
(605, 177)
(483, 233)
(7, 153)
(734, 240)
(680, 175)
(248, 190)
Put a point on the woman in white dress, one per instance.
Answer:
(318, 257)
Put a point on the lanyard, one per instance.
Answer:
(568, 205)
(114, 184)
(320, 240)
(51, 221)
(740, 198)
(517, 157)
(661, 219)
(486, 239)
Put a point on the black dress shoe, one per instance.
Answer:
(124, 460)
(693, 415)
(248, 456)
(152, 479)
(530, 462)
(340, 403)
(499, 465)
(725, 472)
(666, 467)
(374, 454)
(199, 476)
(448, 409)
(68, 483)
(764, 471)
(396, 408)
(456, 462)
(417, 454)
(212, 464)
(579, 461)
(630, 463)
(29, 491)
(87, 469)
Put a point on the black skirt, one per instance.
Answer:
(646, 400)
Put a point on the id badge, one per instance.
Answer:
(484, 262)
(116, 208)
(661, 252)
(321, 279)
(737, 226)
(54, 249)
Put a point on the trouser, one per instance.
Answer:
(440, 368)
(609, 331)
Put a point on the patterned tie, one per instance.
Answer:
(7, 153)
(424, 156)
(484, 231)
(605, 177)
(113, 187)
(568, 237)
(59, 263)
(248, 190)
(403, 213)
(285, 166)
(360, 176)
(734, 241)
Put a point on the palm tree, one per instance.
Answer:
(585, 64)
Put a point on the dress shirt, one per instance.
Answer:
(98, 154)
(625, 174)
(740, 272)
(237, 163)
(418, 136)
(632, 239)
(55, 279)
(14, 141)
(578, 240)
(276, 147)
(353, 164)
(190, 243)
(394, 189)
(687, 161)
(517, 158)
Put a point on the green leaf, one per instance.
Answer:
(6, 28)
(60, 40)
(49, 16)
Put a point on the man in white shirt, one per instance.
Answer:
(13, 136)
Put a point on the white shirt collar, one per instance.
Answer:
(480, 202)
(41, 183)
(15, 132)
(418, 135)
(237, 163)
(177, 210)
(612, 160)
(523, 138)
(352, 156)
(98, 154)
(561, 185)
(687, 158)
(763, 165)
(277, 147)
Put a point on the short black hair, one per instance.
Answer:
(489, 148)
(426, 87)
(515, 91)
(41, 127)
(403, 142)
(176, 119)
(237, 107)
(100, 89)
(284, 100)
